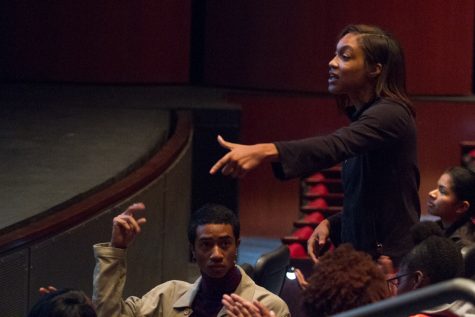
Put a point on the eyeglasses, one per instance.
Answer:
(394, 282)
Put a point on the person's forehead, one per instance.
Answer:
(350, 40)
(445, 180)
(214, 230)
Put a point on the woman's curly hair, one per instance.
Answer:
(342, 280)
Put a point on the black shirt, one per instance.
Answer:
(378, 152)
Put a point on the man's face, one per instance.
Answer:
(215, 249)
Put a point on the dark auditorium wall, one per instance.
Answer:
(286, 44)
(100, 41)
(441, 125)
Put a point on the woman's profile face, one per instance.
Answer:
(442, 201)
(348, 73)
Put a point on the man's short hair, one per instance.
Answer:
(434, 254)
(212, 214)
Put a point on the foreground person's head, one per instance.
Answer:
(343, 279)
(63, 303)
(434, 259)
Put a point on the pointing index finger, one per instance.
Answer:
(219, 164)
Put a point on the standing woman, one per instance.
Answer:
(377, 150)
(454, 202)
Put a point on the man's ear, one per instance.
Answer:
(192, 248)
(376, 70)
(420, 280)
(238, 242)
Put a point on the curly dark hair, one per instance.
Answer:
(342, 280)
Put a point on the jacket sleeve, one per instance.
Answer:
(108, 283)
(378, 126)
(276, 304)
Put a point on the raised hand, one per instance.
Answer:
(125, 226)
(242, 158)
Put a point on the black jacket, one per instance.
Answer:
(462, 232)
(378, 152)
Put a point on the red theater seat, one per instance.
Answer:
(299, 235)
(318, 203)
(318, 189)
(303, 233)
(297, 251)
(317, 177)
(315, 217)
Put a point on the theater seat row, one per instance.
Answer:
(321, 195)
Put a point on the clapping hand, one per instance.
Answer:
(236, 306)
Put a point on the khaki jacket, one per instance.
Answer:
(169, 299)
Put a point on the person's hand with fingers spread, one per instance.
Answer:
(242, 158)
(318, 239)
(236, 306)
(126, 226)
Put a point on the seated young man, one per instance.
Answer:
(213, 233)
